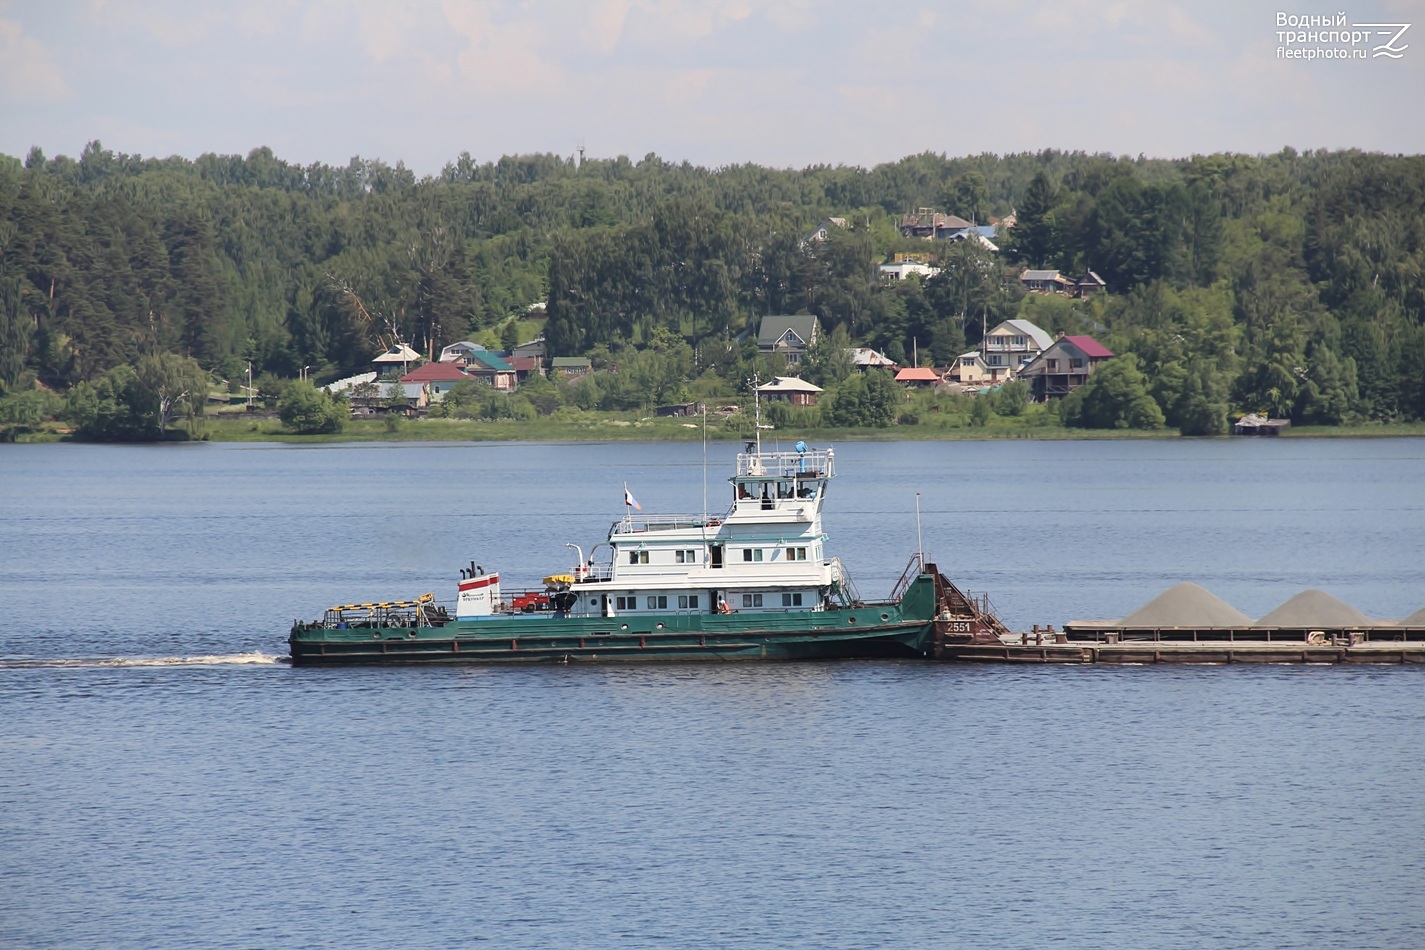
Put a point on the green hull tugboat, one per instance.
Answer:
(753, 584)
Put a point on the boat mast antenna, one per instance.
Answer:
(756, 411)
(919, 546)
(705, 467)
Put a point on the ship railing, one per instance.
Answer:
(635, 524)
(911, 572)
(597, 572)
(813, 462)
(420, 612)
(844, 588)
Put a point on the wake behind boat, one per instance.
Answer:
(755, 583)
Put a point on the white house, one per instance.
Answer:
(900, 270)
(864, 358)
(1010, 346)
(969, 369)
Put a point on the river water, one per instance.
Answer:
(167, 781)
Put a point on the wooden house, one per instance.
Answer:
(798, 392)
(789, 334)
(571, 367)
(1064, 366)
(917, 377)
(489, 368)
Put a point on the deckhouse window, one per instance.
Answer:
(688, 601)
(659, 602)
(792, 600)
(638, 557)
(752, 554)
(626, 603)
(752, 600)
(685, 557)
(796, 554)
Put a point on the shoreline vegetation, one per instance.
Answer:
(233, 428)
(140, 295)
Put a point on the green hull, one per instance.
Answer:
(901, 629)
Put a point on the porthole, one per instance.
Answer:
(885, 616)
(623, 626)
(850, 619)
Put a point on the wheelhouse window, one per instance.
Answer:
(796, 554)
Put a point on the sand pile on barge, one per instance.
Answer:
(1186, 605)
(1315, 609)
(1416, 619)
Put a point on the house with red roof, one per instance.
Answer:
(918, 376)
(1065, 365)
(435, 379)
(525, 366)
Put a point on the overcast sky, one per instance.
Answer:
(714, 82)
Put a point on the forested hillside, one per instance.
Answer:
(1289, 283)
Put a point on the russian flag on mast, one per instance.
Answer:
(628, 500)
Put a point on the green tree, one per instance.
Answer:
(1115, 397)
(981, 412)
(543, 393)
(109, 409)
(1032, 239)
(828, 361)
(867, 400)
(1012, 398)
(16, 331)
(1328, 395)
(174, 385)
(968, 196)
(136, 404)
(307, 410)
(23, 411)
(510, 335)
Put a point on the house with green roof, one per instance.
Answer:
(489, 368)
(789, 334)
(573, 367)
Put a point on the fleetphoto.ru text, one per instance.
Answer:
(1330, 36)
